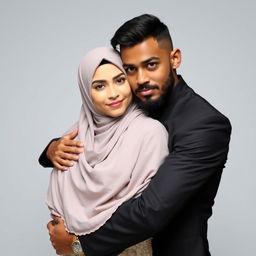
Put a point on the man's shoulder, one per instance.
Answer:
(192, 110)
(194, 105)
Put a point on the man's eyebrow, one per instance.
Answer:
(127, 65)
(143, 62)
(149, 59)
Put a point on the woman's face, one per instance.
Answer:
(111, 93)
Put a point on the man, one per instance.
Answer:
(176, 205)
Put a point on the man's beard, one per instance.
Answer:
(153, 108)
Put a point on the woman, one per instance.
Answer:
(123, 149)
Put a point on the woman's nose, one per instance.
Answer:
(113, 93)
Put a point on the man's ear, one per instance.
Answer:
(175, 57)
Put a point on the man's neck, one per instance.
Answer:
(176, 79)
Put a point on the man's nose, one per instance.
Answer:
(142, 77)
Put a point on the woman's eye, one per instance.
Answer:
(120, 80)
(99, 86)
(152, 65)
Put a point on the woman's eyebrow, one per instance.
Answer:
(118, 75)
(102, 81)
(98, 81)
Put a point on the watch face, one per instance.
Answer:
(77, 248)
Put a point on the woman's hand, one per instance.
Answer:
(64, 151)
(61, 240)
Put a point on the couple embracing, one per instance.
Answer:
(139, 171)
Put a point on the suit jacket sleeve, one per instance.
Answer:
(198, 151)
(43, 160)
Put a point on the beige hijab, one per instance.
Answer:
(120, 157)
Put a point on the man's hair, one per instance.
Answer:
(138, 29)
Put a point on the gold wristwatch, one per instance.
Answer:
(76, 247)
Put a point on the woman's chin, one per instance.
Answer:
(116, 114)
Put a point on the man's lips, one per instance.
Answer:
(115, 103)
(145, 92)
(146, 89)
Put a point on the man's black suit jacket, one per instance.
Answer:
(176, 205)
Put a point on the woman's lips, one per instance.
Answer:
(115, 104)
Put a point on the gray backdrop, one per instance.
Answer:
(42, 43)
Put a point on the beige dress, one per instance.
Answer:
(141, 249)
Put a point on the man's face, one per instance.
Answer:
(148, 67)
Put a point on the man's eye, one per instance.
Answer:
(152, 65)
(130, 69)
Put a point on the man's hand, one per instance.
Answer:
(64, 151)
(61, 240)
